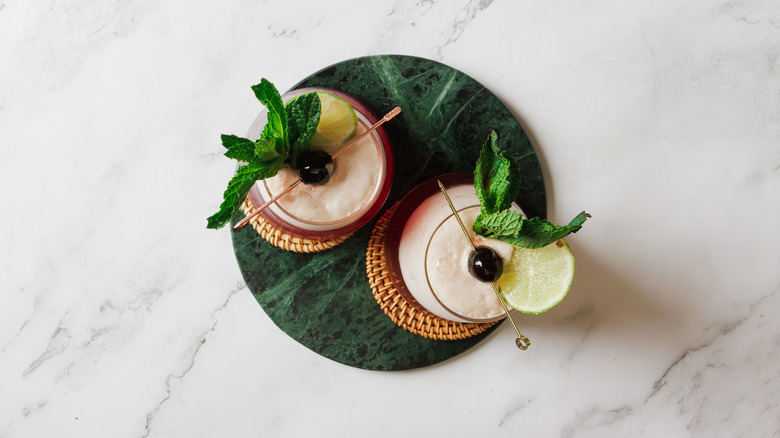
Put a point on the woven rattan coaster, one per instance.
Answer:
(418, 321)
(283, 240)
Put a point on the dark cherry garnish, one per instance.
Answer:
(315, 167)
(485, 265)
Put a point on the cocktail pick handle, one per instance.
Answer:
(522, 342)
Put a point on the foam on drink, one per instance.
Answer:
(354, 181)
(446, 265)
(433, 258)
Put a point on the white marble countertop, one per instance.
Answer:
(122, 316)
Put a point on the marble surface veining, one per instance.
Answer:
(122, 316)
(324, 300)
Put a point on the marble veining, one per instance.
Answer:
(324, 300)
(468, 14)
(122, 316)
(192, 352)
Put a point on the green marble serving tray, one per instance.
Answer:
(323, 300)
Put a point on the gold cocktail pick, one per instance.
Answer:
(394, 112)
(522, 342)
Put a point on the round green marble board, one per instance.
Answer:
(323, 300)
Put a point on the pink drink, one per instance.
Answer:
(427, 252)
(356, 191)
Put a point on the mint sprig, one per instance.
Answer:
(497, 182)
(496, 177)
(268, 95)
(238, 148)
(303, 115)
(236, 192)
(287, 135)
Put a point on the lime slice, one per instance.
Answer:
(535, 280)
(338, 121)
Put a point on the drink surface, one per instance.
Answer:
(433, 259)
(358, 186)
(446, 266)
(353, 183)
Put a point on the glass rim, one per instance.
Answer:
(322, 231)
(428, 280)
(378, 144)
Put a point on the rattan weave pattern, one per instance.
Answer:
(415, 320)
(283, 240)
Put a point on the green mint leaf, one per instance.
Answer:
(268, 95)
(303, 116)
(281, 142)
(270, 152)
(234, 195)
(497, 182)
(239, 148)
(478, 227)
(533, 233)
(504, 223)
(496, 179)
